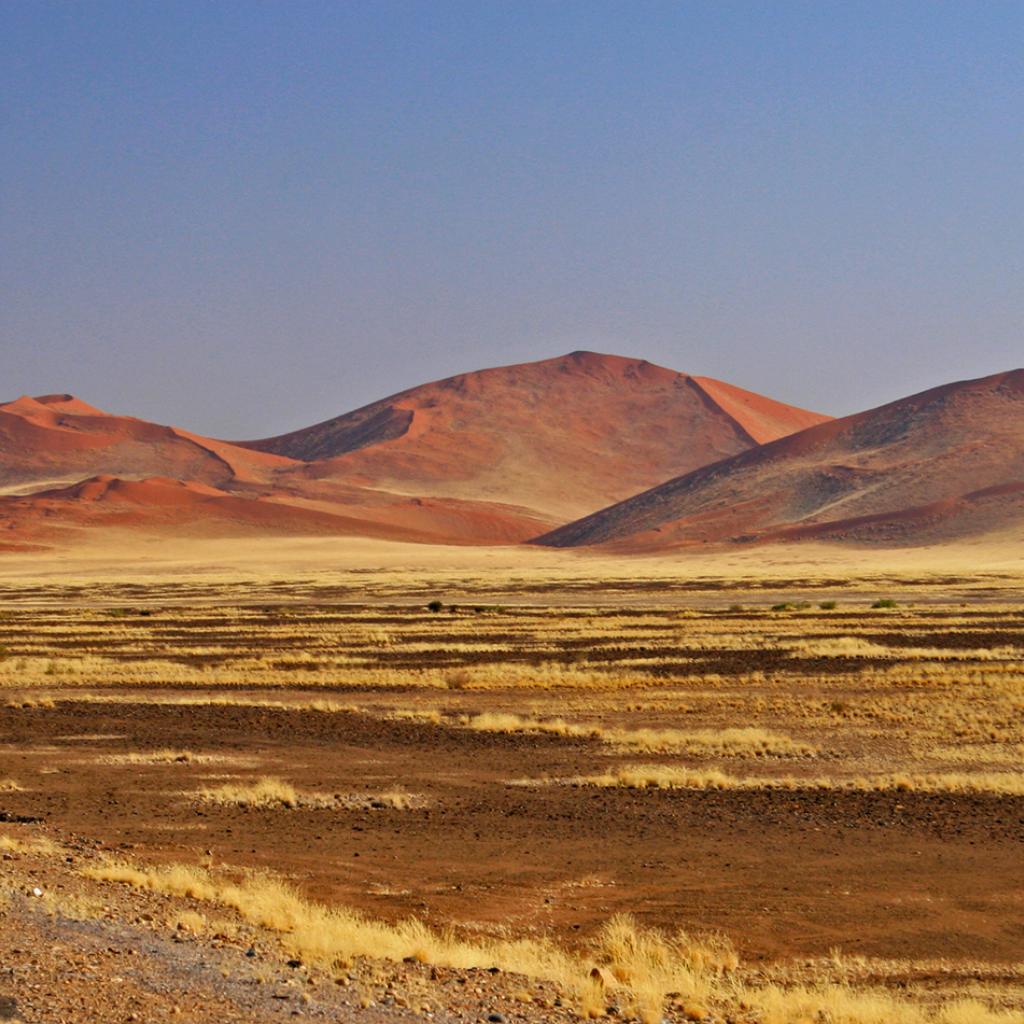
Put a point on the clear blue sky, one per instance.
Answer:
(244, 217)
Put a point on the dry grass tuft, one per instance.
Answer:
(271, 792)
(506, 722)
(39, 701)
(397, 800)
(267, 792)
(165, 756)
(735, 741)
(843, 1004)
(189, 921)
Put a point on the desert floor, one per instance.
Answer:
(768, 787)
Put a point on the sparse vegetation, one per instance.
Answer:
(644, 970)
(38, 846)
(427, 714)
(168, 756)
(731, 741)
(673, 777)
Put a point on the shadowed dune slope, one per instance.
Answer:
(561, 436)
(947, 463)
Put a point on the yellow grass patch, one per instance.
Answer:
(266, 792)
(642, 969)
(37, 845)
(674, 777)
(189, 921)
(168, 756)
(743, 741)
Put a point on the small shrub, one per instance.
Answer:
(827, 606)
(435, 606)
(458, 679)
(885, 602)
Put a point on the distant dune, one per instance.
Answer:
(941, 465)
(491, 457)
(505, 455)
(171, 507)
(60, 439)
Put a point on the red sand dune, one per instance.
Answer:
(57, 454)
(58, 438)
(167, 506)
(945, 463)
(496, 456)
(559, 437)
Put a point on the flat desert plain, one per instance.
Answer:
(335, 782)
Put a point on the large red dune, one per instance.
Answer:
(947, 463)
(559, 437)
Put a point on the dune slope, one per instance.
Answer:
(946, 463)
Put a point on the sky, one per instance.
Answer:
(244, 218)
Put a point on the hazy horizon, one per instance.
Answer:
(245, 218)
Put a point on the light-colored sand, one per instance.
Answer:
(370, 568)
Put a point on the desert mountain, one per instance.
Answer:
(946, 463)
(559, 437)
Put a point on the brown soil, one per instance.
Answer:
(783, 873)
